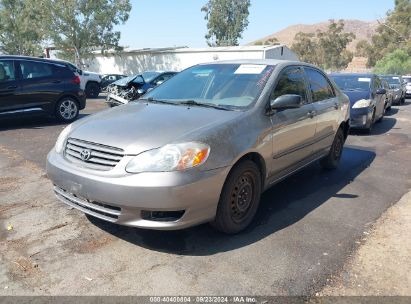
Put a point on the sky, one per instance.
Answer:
(167, 23)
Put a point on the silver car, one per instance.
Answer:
(203, 146)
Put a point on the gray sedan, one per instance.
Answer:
(202, 147)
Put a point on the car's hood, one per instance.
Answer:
(124, 81)
(354, 96)
(138, 127)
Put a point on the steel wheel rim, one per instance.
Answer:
(68, 109)
(242, 196)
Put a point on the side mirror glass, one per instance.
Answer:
(381, 91)
(289, 101)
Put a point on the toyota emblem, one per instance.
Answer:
(85, 154)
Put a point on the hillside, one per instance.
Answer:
(362, 30)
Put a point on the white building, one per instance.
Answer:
(176, 59)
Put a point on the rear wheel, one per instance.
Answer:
(332, 160)
(67, 109)
(239, 198)
(92, 90)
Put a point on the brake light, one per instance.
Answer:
(76, 80)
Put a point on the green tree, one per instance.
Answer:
(21, 27)
(78, 27)
(333, 46)
(392, 34)
(397, 62)
(305, 45)
(326, 49)
(226, 21)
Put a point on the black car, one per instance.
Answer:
(31, 85)
(109, 79)
(397, 86)
(368, 98)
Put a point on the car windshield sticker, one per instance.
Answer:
(250, 69)
(364, 79)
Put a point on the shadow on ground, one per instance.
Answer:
(32, 122)
(283, 205)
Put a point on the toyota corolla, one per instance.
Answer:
(202, 147)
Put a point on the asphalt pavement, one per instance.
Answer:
(305, 230)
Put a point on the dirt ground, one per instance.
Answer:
(382, 265)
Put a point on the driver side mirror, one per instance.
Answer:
(381, 91)
(80, 72)
(289, 101)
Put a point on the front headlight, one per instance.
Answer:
(62, 139)
(173, 157)
(363, 103)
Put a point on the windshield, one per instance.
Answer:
(392, 80)
(352, 83)
(227, 85)
(149, 76)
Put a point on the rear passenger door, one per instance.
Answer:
(326, 107)
(9, 86)
(39, 84)
(293, 129)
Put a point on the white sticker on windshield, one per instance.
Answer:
(364, 79)
(250, 69)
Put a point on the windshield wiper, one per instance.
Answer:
(151, 99)
(200, 104)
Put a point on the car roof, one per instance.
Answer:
(353, 74)
(31, 58)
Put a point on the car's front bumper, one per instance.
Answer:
(116, 100)
(125, 199)
(361, 118)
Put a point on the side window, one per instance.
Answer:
(377, 83)
(7, 70)
(320, 87)
(291, 81)
(162, 78)
(32, 70)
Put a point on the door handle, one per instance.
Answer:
(311, 114)
(56, 81)
(11, 87)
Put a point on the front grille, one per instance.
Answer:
(101, 157)
(100, 210)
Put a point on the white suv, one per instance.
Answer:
(407, 80)
(89, 81)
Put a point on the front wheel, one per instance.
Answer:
(332, 160)
(92, 90)
(239, 198)
(67, 110)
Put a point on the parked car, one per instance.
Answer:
(389, 95)
(108, 79)
(131, 88)
(367, 98)
(397, 86)
(89, 81)
(203, 147)
(407, 81)
(39, 86)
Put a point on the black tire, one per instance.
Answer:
(92, 90)
(369, 129)
(239, 198)
(332, 160)
(67, 109)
